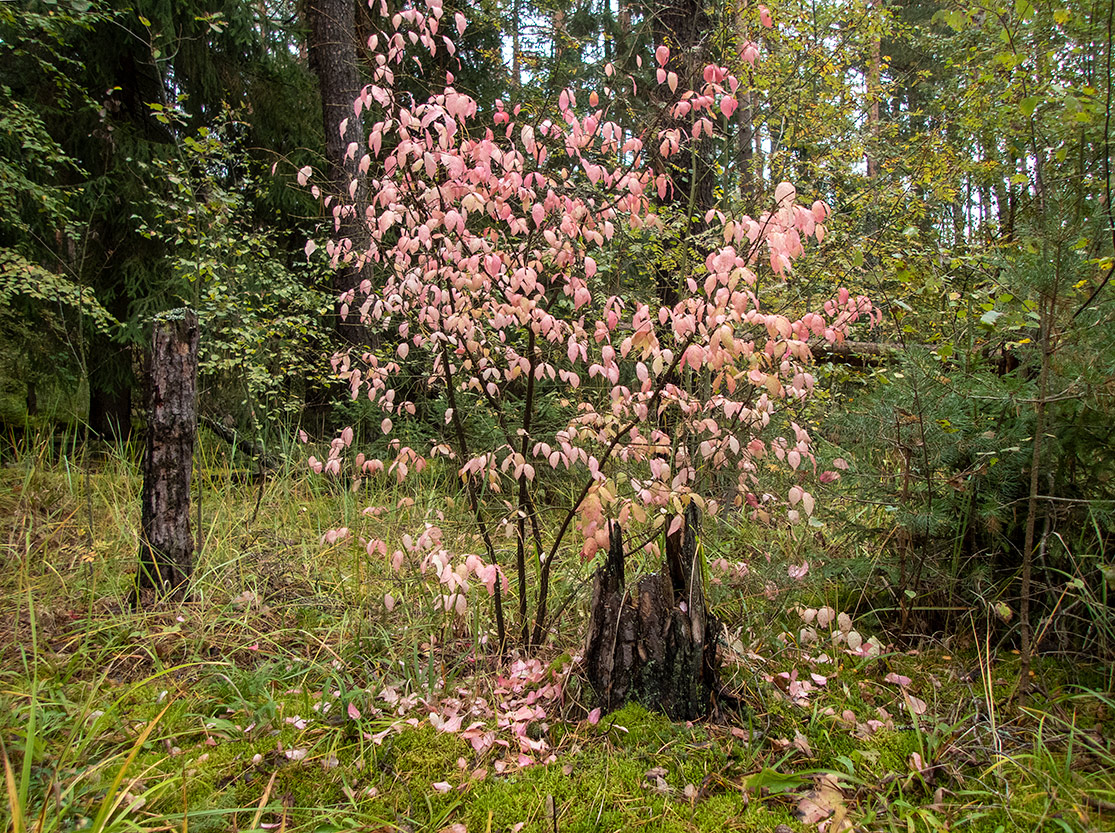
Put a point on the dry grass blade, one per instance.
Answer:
(263, 801)
(13, 792)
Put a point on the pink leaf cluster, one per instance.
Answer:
(488, 254)
(526, 694)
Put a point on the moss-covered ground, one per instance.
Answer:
(284, 695)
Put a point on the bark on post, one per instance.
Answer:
(166, 547)
(656, 643)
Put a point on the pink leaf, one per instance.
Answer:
(916, 706)
(675, 525)
(807, 503)
(662, 55)
(798, 571)
(785, 193)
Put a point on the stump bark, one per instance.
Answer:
(654, 643)
(166, 541)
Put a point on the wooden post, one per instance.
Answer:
(654, 643)
(166, 547)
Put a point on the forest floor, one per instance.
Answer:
(285, 695)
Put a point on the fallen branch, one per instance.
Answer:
(854, 353)
(254, 448)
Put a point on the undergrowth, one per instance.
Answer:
(286, 695)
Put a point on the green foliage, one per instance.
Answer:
(988, 237)
(261, 313)
(106, 114)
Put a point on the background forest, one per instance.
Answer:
(155, 155)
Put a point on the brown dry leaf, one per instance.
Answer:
(656, 780)
(916, 706)
(801, 743)
(938, 799)
(825, 801)
(915, 763)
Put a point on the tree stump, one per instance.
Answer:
(166, 547)
(655, 644)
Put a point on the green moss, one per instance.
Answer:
(634, 726)
(604, 790)
(600, 782)
(894, 750)
(423, 754)
(829, 745)
(609, 793)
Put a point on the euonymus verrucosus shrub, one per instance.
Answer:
(480, 270)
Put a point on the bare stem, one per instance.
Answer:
(473, 498)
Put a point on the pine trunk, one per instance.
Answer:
(166, 543)
(656, 643)
(333, 59)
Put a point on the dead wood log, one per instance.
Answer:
(854, 353)
(654, 643)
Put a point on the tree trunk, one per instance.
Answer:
(110, 386)
(166, 542)
(1033, 508)
(874, 72)
(110, 398)
(332, 48)
(655, 644)
(516, 55)
(683, 26)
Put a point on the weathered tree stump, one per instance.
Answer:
(166, 547)
(655, 644)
